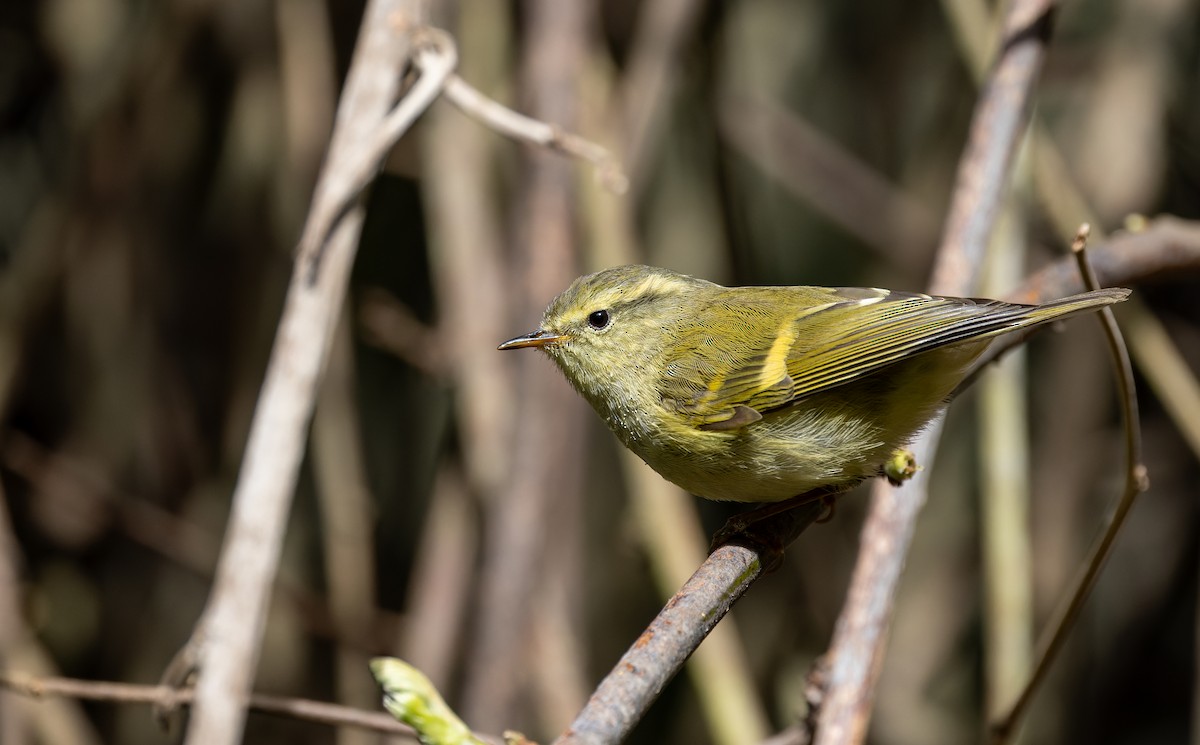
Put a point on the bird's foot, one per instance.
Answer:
(901, 466)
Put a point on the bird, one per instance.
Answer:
(761, 394)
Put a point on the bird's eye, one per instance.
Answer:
(598, 319)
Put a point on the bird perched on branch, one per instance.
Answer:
(760, 394)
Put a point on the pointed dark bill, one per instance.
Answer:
(538, 338)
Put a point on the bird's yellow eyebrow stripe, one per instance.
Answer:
(774, 366)
(652, 285)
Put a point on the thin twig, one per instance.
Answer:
(1136, 482)
(1136, 475)
(308, 710)
(508, 122)
(520, 127)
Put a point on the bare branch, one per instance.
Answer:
(520, 127)
(128, 693)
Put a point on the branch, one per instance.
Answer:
(127, 693)
(520, 127)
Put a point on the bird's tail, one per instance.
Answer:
(1036, 315)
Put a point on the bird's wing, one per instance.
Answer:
(815, 343)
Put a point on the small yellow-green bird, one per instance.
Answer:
(760, 394)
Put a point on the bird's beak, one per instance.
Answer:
(538, 339)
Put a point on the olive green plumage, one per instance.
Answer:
(758, 394)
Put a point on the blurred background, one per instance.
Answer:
(460, 507)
